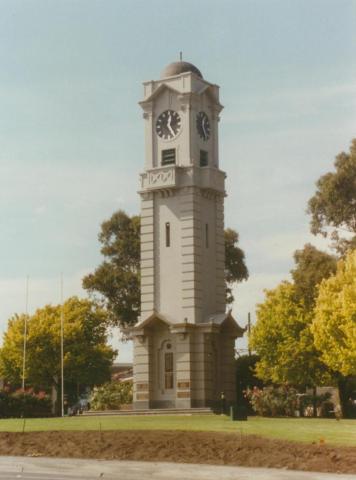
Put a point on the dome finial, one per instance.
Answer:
(176, 68)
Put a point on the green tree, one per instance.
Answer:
(284, 342)
(246, 378)
(245, 372)
(334, 324)
(311, 267)
(333, 207)
(87, 357)
(235, 266)
(117, 280)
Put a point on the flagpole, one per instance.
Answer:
(62, 349)
(25, 337)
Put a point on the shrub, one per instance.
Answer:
(111, 396)
(273, 401)
(24, 404)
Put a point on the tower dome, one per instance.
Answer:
(176, 68)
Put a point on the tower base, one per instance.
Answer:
(186, 365)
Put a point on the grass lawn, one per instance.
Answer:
(341, 432)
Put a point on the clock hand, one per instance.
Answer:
(169, 124)
(203, 127)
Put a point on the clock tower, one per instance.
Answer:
(184, 340)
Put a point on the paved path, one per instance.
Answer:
(12, 468)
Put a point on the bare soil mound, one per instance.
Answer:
(184, 447)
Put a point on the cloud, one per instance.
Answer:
(282, 245)
(288, 104)
(40, 210)
(42, 290)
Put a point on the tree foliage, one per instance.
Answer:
(312, 266)
(235, 266)
(111, 396)
(333, 207)
(27, 404)
(117, 280)
(245, 377)
(87, 357)
(245, 372)
(284, 342)
(334, 325)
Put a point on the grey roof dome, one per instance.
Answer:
(176, 68)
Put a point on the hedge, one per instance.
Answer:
(24, 404)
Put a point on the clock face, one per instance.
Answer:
(203, 125)
(168, 124)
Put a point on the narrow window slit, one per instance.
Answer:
(168, 234)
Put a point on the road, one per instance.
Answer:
(12, 468)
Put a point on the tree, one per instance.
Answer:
(333, 207)
(312, 266)
(246, 378)
(87, 357)
(235, 266)
(117, 280)
(283, 338)
(284, 342)
(282, 335)
(334, 324)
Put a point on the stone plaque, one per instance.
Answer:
(183, 385)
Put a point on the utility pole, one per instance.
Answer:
(62, 349)
(249, 332)
(25, 337)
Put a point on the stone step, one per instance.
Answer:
(154, 411)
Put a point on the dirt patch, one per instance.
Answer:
(176, 446)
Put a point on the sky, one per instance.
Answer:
(71, 130)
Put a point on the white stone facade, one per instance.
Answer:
(184, 340)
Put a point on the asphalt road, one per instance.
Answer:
(12, 468)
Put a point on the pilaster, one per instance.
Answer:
(147, 254)
(142, 366)
(191, 254)
(220, 256)
(184, 335)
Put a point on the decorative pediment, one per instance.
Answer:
(156, 94)
(151, 320)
